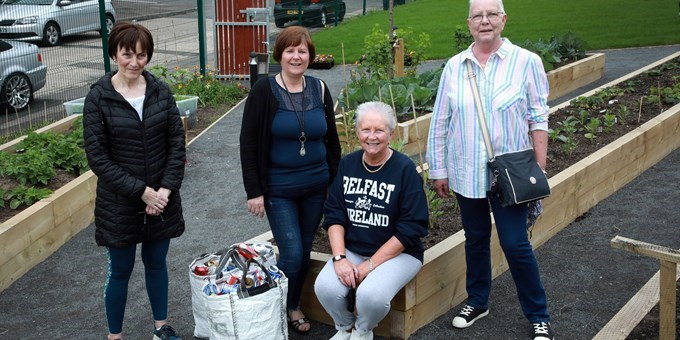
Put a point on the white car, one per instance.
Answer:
(21, 74)
(49, 20)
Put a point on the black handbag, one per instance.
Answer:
(517, 177)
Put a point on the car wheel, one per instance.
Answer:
(343, 10)
(16, 91)
(109, 24)
(51, 34)
(323, 18)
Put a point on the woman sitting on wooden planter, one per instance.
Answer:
(375, 215)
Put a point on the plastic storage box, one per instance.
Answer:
(187, 105)
(75, 106)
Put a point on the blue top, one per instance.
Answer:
(373, 207)
(288, 169)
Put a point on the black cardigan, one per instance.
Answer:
(255, 138)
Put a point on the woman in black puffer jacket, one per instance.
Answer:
(134, 143)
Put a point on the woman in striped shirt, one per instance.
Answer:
(514, 91)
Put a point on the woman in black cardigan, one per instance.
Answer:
(289, 154)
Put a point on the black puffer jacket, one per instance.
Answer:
(128, 154)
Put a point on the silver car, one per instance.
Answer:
(21, 74)
(49, 20)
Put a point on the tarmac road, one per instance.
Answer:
(587, 282)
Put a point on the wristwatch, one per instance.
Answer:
(337, 258)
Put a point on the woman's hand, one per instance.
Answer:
(256, 206)
(155, 200)
(363, 270)
(441, 187)
(347, 273)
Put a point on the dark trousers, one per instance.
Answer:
(294, 217)
(121, 263)
(511, 225)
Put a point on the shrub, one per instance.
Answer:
(210, 90)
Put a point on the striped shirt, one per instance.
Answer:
(514, 91)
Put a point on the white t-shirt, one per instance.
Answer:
(138, 104)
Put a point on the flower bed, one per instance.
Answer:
(32, 235)
(440, 284)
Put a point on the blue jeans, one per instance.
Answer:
(121, 263)
(294, 217)
(511, 225)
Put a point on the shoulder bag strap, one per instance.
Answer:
(480, 108)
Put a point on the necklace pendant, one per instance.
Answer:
(302, 151)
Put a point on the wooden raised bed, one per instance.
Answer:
(440, 284)
(34, 234)
(562, 80)
(570, 77)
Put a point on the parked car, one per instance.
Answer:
(49, 20)
(21, 73)
(315, 12)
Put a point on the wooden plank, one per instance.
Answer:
(575, 75)
(35, 253)
(667, 299)
(647, 249)
(78, 194)
(632, 313)
(398, 48)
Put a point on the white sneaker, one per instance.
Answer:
(359, 336)
(341, 335)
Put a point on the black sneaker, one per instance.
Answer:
(542, 331)
(468, 316)
(165, 333)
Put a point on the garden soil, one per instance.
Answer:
(587, 281)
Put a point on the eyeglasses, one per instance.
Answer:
(493, 16)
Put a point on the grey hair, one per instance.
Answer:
(378, 107)
(500, 6)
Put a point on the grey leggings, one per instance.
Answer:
(373, 294)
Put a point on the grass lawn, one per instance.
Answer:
(602, 24)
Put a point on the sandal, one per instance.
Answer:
(296, 324)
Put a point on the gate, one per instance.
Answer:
(241, 27)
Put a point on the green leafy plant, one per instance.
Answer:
(376, 62)
(569, 127)
(462, 39)
(623, 113)
(210, 90)
(25, 195)
(416, 48)
(608, 121)
(377, 58)
(570, 47)
(592, 128)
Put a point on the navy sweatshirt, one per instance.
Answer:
(373, 207)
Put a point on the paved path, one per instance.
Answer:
(587, 282)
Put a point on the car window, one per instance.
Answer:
(29, 2)
(4, 46)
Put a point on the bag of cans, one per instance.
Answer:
(222, 273)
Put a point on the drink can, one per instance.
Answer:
(201, 270)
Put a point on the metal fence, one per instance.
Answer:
(78, 60)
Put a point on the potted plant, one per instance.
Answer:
(322, 62)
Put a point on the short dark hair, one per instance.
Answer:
(126, 35)
(293, 36)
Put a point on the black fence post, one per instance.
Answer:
(253, 68)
